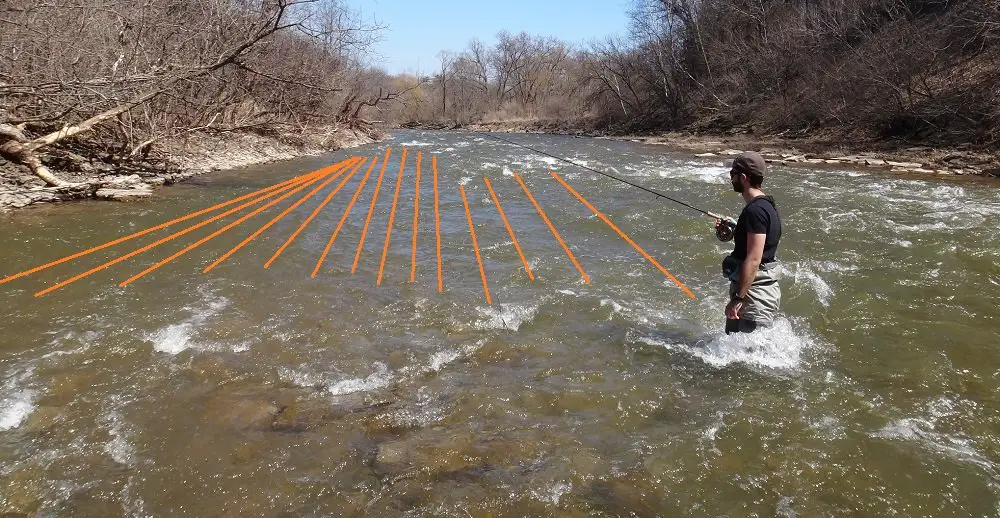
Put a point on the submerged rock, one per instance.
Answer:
(42, 419)
(303, 415)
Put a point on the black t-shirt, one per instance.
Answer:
(760, 216)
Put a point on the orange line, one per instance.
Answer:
(314, 213)
(475, 245)
(306, 178)
(416, 222)
(211, 236)
(277, 218)
(437, 222)
(622, 234)
(510, 230)
(155, 228)
(552, 228)
(371, 209)
(343, 218)
(392, 217)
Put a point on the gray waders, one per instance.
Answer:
(762, 300)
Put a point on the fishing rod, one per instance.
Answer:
(654, 192)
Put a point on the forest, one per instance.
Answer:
(912, 70)
(119, 81)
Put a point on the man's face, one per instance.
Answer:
(737, 179)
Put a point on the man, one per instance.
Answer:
(754, 294)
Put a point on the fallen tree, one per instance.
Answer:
(129, 74)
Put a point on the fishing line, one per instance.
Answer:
(609, 175)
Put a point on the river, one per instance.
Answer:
(264, 392)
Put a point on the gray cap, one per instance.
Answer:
(750, 163)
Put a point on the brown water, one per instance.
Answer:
(258, 392)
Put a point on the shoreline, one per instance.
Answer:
(177, 162)
(810, 152)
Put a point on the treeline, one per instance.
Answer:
(917, 70)
(116, 77)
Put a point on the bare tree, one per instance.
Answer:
(137, 72)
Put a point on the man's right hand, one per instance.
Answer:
(724, 229)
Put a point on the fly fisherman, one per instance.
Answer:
(754, 294)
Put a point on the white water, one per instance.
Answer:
(779, 347)
(16, 400)
(176, 338)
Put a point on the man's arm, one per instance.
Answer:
(748, 271)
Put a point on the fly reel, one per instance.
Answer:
(724, 230)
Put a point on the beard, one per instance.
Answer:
(738, 187)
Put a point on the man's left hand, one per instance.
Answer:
(734, 309)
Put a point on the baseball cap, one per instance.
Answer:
(750, 164)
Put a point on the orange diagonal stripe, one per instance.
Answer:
(371, 209)
(155, 228)
(437, 222)
(517, 246)
(392, 217)
(315, 212)
(475, 246)
(552, 228)
(219, 232)
(347, 211)
(627, 239)
(416, 221)
(277, 218)
(306, 178)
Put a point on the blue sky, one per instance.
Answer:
(419, 29)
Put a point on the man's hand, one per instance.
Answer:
(724, 229)
(734, 310)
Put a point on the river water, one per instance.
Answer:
(256, 392)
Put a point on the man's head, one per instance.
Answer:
(748, 171)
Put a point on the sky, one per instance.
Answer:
(418, 29)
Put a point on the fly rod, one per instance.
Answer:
(609, 175)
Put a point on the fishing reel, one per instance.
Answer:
(724, 230)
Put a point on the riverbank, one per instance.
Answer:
(807, 151)
(175, 161)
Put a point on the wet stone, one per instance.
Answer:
(303, 415)
(42, 419)
(21, 491)
(398, 359)
(244, 408)
(64, 389)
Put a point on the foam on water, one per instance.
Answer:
(172, 339)
(778, 347)
(802, 273)
(505, 316)
(380, 378)
(416, 143)
(700, 173)
(118, 448)
(499, 244)
(299, 378)
(443, 358)
(175, 338)
(552, 493)
(17, 401)
(465, 180)
(638, 311)
(922, 430)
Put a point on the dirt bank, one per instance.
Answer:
(99, 177)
